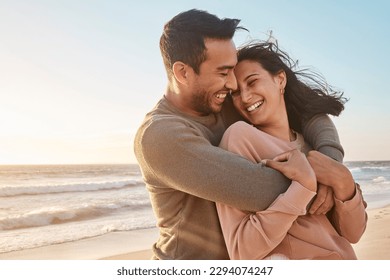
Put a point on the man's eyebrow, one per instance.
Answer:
(224, 67)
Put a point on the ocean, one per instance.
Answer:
(50, 204)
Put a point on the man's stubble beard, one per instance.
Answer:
(201, 103)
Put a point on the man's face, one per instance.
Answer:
(209, 88)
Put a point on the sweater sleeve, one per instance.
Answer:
(322, 135)
(265, 228)
(173, 154)
(349, 217)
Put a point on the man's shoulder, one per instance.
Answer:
(161, 120)
(160, 131)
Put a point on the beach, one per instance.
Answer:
(136, 244)
(375, 243)
(103, 212)
(133, 245)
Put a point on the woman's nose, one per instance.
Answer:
(246, 96)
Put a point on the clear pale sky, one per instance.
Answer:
(77, 77)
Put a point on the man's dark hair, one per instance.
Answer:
(184, 37)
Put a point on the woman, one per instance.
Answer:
(275, 102)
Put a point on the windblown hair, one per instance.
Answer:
(306, 92)
(184, 37)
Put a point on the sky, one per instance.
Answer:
(78, 76)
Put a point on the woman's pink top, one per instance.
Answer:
(285, 228)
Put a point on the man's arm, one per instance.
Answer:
(173, 155)
(322, 135)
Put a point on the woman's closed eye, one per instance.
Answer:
(251, 82)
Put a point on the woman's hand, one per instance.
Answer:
(294, 165)
(323, 201)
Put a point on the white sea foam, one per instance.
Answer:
(54, 234)
(369, 168)
(6, 191)
(60, 214)
(379, 179)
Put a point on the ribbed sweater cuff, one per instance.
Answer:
(298, 197)
(354, 202)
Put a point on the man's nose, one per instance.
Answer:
(231, 82)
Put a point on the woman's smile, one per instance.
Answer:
(254, 106)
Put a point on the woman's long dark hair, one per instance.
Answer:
(306, 92)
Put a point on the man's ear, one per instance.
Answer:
(181, 71)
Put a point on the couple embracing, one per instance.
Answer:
(239, 156)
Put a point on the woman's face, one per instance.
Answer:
(259, 98)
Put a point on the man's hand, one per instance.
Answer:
(323, 201)
(333, 174)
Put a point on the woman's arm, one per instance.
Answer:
(250, 236)
(348, 216)
(265, 228)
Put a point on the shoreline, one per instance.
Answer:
(108, 246)
(375, 242)
(137, 244)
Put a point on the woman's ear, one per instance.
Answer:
(282, 79)
(181, 72)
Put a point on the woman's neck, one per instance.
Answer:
(281, 131)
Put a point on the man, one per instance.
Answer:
(184, 171)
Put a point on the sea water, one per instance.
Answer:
(374, 179)
(50, 204)
(43, 205)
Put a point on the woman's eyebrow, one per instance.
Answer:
(251, 75)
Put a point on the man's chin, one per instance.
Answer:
(211, 109)
(217, 109)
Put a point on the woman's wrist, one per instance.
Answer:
(309, 181)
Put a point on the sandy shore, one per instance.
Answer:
(375, 243)
(136, 245)
(117, 244)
